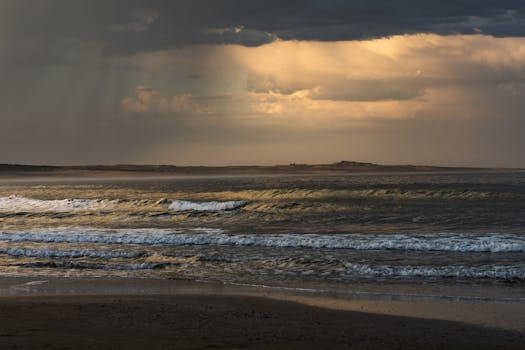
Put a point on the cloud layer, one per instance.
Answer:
(51, 30)
(223, 82)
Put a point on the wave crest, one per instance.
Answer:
(179, 205)
(504, 272)
(452, 242)
(19, 204)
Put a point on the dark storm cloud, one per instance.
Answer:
(126, 81)
(129, 26)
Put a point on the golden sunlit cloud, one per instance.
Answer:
(150, 100)
(335, 83)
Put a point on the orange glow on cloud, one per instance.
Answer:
(334, 83)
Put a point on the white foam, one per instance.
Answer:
(19, 204)
(179, 205)
(506, 272)
(53, 253)
(453, 242)
(96, 266)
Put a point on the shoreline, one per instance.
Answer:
(201, 321)
(340, 310)
(508, 315)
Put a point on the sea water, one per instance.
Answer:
(326, 232)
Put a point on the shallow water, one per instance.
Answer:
(289, 231)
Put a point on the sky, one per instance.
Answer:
(227, 82)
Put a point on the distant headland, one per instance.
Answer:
(342, 167)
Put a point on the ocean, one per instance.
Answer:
(392, 234)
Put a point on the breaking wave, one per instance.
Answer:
(453, 242)
(179, 205)
(505, 272)
(95, 266)
(53, 253)
(18, 204)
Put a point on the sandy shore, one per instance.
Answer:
(226, 322)
(127, 314)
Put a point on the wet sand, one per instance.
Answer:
(224, 322)
(160, 314)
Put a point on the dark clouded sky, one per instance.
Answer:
(262, 82)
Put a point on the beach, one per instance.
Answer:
(87, 314)
(315, 261)
(226, 174)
